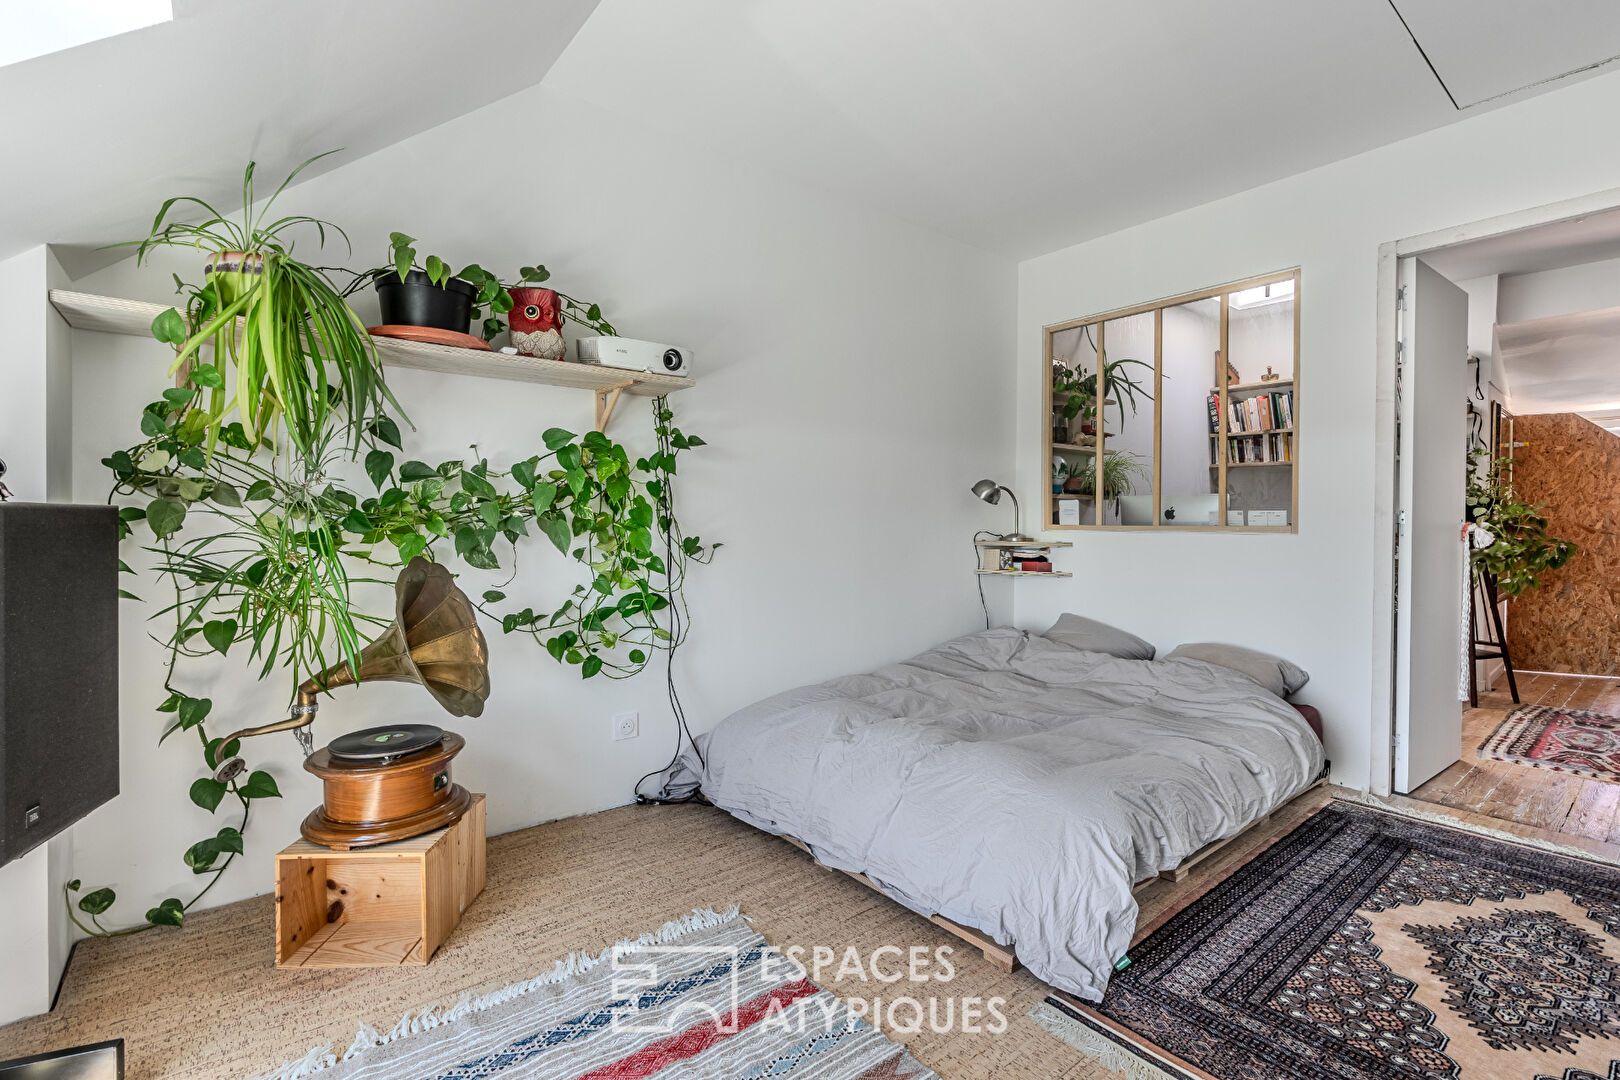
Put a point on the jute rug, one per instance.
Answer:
(1365, 945)
(702, 997)
(1563, 740)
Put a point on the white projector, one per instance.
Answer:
(634, 355)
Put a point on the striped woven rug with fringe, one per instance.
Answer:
(703, 996)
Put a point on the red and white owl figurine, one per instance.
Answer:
(536, 323)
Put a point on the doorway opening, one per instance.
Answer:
(1505, 553)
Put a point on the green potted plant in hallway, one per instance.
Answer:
(1521, 549)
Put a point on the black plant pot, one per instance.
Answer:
(416, 301)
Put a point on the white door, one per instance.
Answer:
(1432, 464)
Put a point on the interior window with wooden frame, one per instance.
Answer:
(1187, 408)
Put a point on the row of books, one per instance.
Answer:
(1261, 412)
(1257, 449)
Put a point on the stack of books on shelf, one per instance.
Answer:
(1034, 560)
(1260, 426)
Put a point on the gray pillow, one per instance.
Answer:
(1080, 632)
(1272, 672)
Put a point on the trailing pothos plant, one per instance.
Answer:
(255, 551)
(494, 298)
(254, 555)
(1520, 549)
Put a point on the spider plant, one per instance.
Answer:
(301, 359)
(1119, 474)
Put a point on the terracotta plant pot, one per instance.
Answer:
(536, 323)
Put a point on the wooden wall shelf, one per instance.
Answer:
(990, 557)
(1025, 573)
(116, 315)
(1245, 388)
(1023, 543)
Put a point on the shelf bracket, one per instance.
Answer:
(607, 399)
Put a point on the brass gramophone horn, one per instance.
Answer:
(434, 640)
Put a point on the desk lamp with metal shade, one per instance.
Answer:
(990, 492)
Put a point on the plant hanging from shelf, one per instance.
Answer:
(253, 547)
(1521, 549)
(301, 362)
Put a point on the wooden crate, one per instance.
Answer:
(380, 906)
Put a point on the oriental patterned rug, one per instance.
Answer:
(1563, 740)
(702, 997)
(1364, 945)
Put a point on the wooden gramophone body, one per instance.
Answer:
(369, 803)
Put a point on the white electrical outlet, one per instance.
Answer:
(626, 725)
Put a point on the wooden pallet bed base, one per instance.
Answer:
(1003, 956)
(999, 955)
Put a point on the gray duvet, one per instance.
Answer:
(1012, 783)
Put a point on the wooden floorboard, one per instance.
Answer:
(1502, 790)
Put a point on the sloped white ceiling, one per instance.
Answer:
(1482, 49)
(1025, 125)
(92, 139)
(1020, 127)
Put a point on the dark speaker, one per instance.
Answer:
(58, 668)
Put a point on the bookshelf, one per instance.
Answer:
(1209, 435)
(1259, 424)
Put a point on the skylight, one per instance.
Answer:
(30, 28)
(1275, 293)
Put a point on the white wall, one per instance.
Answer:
(36, 426)
(853, 382)
(1172, 587)
(1192, 337)
(36, 422)
(1568, 289)
(1482, 304)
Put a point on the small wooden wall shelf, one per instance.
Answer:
(377, 907)
(116, 315)
(989, 551)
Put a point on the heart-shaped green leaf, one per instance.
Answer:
(169, 328)
(165, 516)
(379, 463)
(220, 633)
(259, 785)
(169, 913)
(94, 903)
(206, 792)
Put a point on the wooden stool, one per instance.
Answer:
(379, 906)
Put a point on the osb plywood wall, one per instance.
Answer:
(1571, 623)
